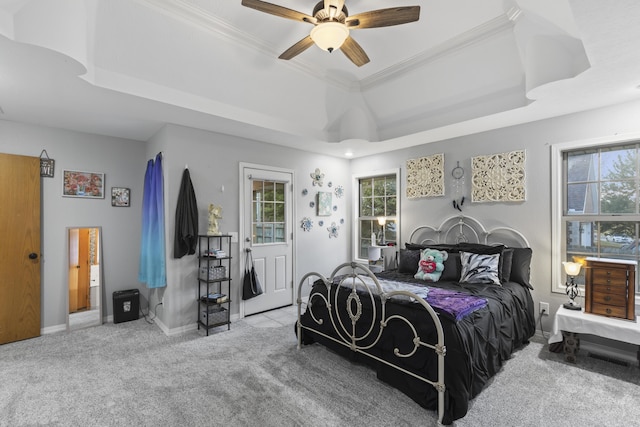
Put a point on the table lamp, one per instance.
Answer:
(572, 269)
(381, 222)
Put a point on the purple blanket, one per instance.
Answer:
(456, 304)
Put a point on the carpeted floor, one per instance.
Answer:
(132, 374)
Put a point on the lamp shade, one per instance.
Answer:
(572, 268)
(329, 35)
(382, 220)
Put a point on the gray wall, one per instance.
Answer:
(122, 162)
(532, 217)
(213, 161)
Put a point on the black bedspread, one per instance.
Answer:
(476, 346)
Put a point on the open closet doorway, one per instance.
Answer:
(84, 277)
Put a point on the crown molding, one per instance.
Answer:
(463, 41)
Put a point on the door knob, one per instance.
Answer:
(33, 255)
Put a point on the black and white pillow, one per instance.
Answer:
(480, 268)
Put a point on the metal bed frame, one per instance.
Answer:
(453, 230)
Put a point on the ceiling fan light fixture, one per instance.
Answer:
(330, 35)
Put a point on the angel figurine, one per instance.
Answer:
(215, 214)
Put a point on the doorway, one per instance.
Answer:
(20, 249)
(84, 278)
(267, 231)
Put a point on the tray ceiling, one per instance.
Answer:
(128, 67)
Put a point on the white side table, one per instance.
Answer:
(571, 323)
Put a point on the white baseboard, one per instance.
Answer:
(53, 329)
(186, 328)
(169, 332)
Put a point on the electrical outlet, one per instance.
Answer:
(544, 306)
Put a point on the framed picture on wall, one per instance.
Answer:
(86, 185)
(324, 203)
(120, 197)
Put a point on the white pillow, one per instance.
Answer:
(479, 268)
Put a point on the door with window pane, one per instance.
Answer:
(268, 234)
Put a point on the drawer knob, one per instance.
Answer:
(607, 298)
(608, 311)
(608, 288)
(608, 273)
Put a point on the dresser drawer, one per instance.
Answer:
(611, 288)
(609, 310)
(609, 275)
(618, 300)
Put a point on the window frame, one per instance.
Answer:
(558, 184)
(356, 207)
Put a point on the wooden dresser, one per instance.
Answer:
(610, 288)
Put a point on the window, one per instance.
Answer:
(268, 212)
(377, 211)
(600, 203)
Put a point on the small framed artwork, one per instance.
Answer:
(120, 197)
(87, 185)
(324, 203)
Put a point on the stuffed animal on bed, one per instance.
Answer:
(431, 265)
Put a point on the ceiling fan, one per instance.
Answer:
(332, 24)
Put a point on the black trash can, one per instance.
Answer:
(126, 305)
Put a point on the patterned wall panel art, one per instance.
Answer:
(425, 176)
(498, 177)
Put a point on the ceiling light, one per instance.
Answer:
(329, 35)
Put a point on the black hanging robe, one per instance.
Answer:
(186, 238)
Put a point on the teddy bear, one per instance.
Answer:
(431, 264)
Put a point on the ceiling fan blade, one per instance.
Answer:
(384, 17)
(280, 11)
(354, 52)
(297, 48)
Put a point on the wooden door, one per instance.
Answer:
(84, 272)
(20, 248)
(79, 271)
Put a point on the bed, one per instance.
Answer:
(437, 342)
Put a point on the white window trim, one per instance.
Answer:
(557, 250)
(355, 185)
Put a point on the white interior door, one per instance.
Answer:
(268, 233)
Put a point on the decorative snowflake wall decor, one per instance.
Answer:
(339, 191)
(306, 224)
(425, 176)
(333, 230)
(498, 177)
(317, 177)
